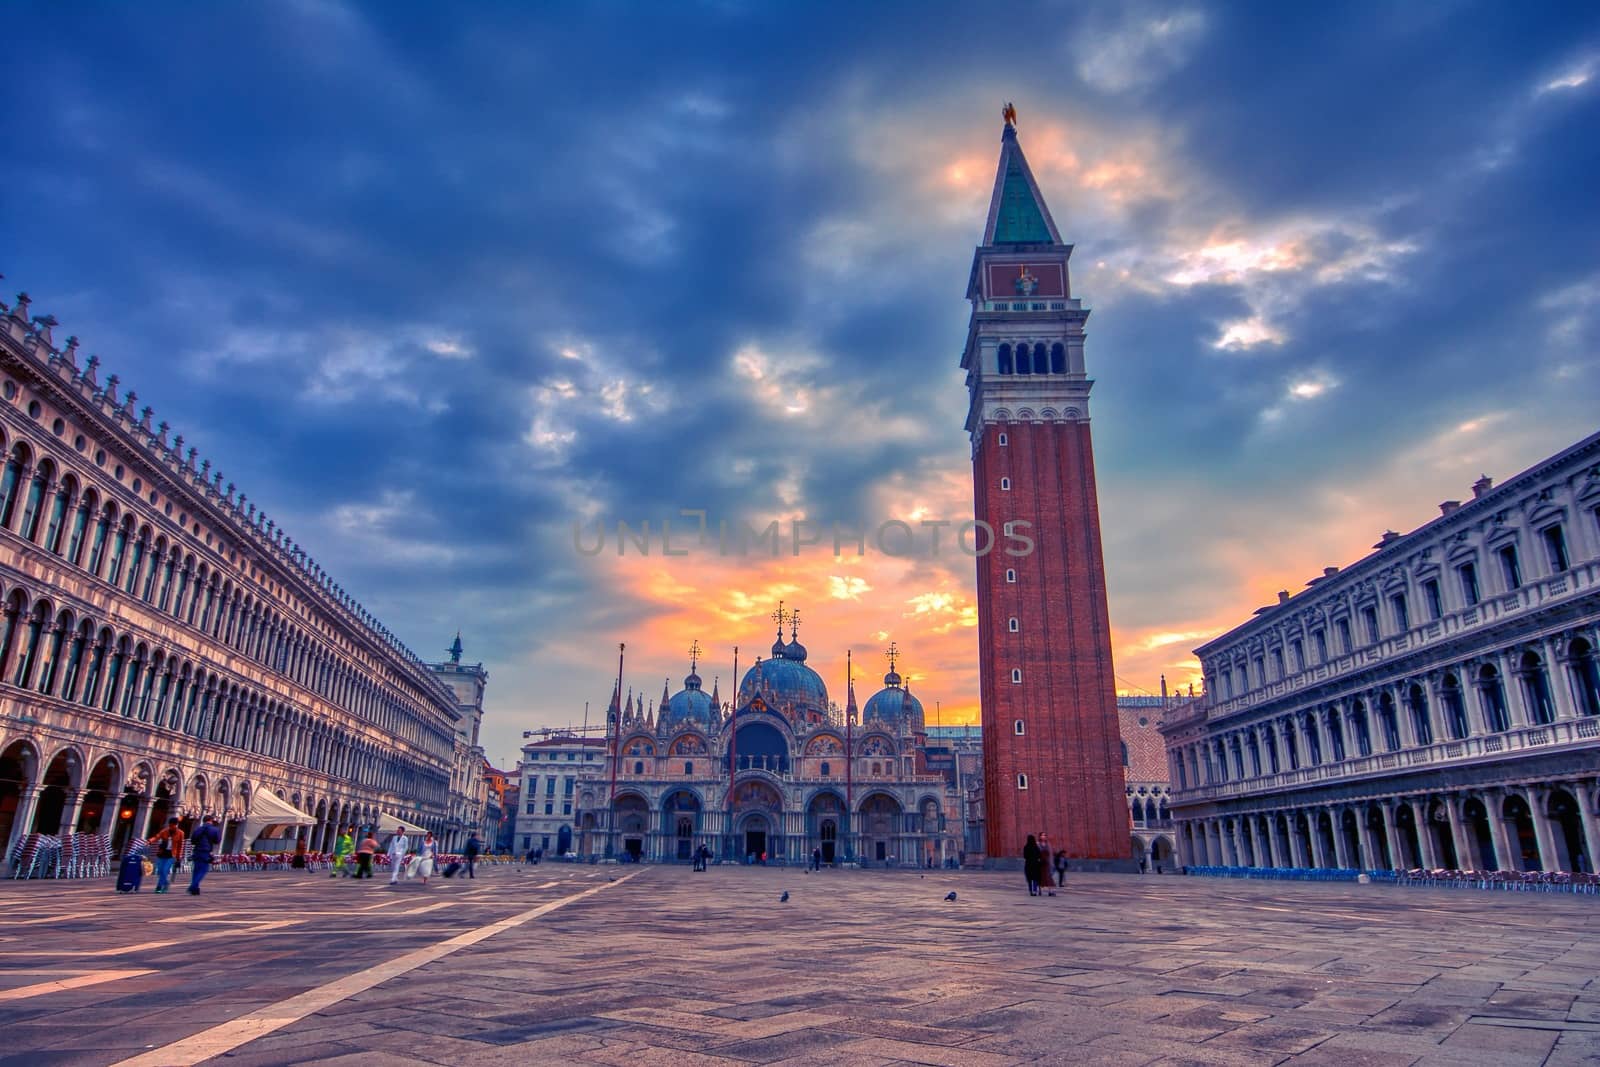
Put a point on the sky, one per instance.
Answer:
(434, 283)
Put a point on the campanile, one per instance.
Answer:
(1051, 750)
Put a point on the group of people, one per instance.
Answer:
(1038, 864)
(167, 846)
(413, 859)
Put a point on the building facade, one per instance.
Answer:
(1044, 635)
(1149, 791)
(1435, 705)
(779, 771)
(469, 783)
(555, 774)
(165, 649)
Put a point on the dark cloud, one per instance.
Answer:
(344, 248)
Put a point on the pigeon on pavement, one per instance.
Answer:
(785, 898)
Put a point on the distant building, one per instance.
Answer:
(1435, 704)
(468, 788)
(1144, 761)
(554, 773)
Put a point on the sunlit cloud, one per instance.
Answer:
(1574, 77)
(1248, 333)
(1141, 50)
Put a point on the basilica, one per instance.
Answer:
(779, 772)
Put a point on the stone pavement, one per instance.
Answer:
(644, 966)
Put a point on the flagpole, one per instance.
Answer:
(733, 754)
(849, 760)
(614, 728)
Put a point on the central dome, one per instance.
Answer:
(788, 685)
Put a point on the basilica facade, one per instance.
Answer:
(779, 771)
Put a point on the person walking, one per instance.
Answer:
(341, 852)
(398, 845)
(816, 859)
(168, 847)
(1032, 864)
(426, 852)
(1047, 857)
(367, 849)
(470, 853)
(207, 839)
(1061, 870)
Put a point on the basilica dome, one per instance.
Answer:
(689, 705)
(785, 684)
(893, 705)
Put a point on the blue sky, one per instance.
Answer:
(431, 282)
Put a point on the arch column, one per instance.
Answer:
(1466, 857)
(1341, 850)
(1369, 856)
(1297, 845)
(1319, 854)
(27, 807)
(1396, 859)
(1539, 809)
(1504, 859)
(1419, 815)
(72, 811)
(1585, 793)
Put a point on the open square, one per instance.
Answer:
(659, 965)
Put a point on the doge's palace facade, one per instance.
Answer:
(165, 649)
(1434, 705)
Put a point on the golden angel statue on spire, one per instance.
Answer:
(1009, 113)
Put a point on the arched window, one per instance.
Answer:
(1013, 625)
(1124, 753)
(825, 769)
(1536, 689)
(80, 526)
(1390, 721)
(1058, 358)
(56, 530)
(638, 766)
(1003, 357)
(1455, 706)
(1022, 781)
(1313, 742)
(1005, 484)
(11, 483)
(1016, 675)
(1011, 575)
(1417, 704)
(1585, 677)
(34, 511)
(1496, 715)
(1019, 728)
(1041, 359)
(1024, 364)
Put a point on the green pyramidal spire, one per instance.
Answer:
(1018, 215)
(1020, 220)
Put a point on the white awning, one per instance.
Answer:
(267, 809)
(389, 824)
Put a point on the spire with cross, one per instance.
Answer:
(893, 653)
(694, 655)
(794, 625)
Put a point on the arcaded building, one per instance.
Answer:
(166, 649)
(1434, 705)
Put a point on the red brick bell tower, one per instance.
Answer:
(1051, 749)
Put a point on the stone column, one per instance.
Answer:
(1235, 847)
(22, 824)
(1319, 853)
(1539, 808)
(1555, 673)
(1466, 849)
(1214, 844)
(1397, 857)
(1341, 850)
(1369, 852)
(1297, 845)
(1505, 859)
(1419, 812)
(1584, 793)
(71, 812)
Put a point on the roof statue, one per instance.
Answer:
(1009, 113)
(455, 649)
